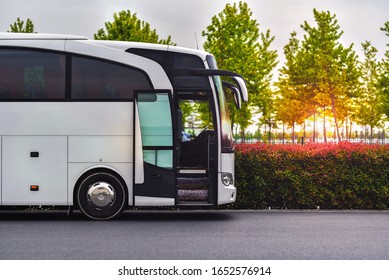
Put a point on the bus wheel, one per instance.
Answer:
(101, 196)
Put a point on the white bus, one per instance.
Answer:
(102, 126)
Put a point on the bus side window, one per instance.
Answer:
(97, 79)
(31, 74)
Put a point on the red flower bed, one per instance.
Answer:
(332, 176)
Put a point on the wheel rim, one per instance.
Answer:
(101, 195)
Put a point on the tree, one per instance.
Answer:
(263, 96)
(234, 38)
(384, 77)
(323, 71)
(295, 102)
(370, 101)
(19, 27)
(127, 27)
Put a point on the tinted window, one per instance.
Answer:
(96, 79)
(174, 64)
(184, 61)
(187, 61)
(30, 74)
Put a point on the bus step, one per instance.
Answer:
(192, 188)
(192, 195)
(192, 183)
(194, 203)
(192, 171)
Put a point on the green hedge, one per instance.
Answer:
(329, 176)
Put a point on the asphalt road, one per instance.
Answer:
(271, 235)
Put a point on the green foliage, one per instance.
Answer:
(384, 77)
(234, 39)
(330, 176)
(127, 27)
(370, 101)
(19, 27)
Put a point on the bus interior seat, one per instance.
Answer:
(4, 92)
(77, 92)
(34, 91)
(111, 92)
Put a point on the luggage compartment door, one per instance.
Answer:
(34, 170)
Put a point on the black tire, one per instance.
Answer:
(112, 192)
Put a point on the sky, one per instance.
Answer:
(184, 20)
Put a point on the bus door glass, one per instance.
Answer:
(155, 119)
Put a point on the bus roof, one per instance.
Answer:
(119, 45)
(39, 36)
(125, 45)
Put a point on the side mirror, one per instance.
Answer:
(235, 92)
(243, 88)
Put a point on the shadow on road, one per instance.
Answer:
(135, 215)
(188, 215)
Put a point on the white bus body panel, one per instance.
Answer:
(55, 45)
(39, 36)
(70, 137)
(66, 118)
(226, 194)
(153, 201)
(100, 149)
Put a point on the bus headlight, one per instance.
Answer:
(227, 178)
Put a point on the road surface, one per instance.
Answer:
(267, 234)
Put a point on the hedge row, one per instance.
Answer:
(330, 176)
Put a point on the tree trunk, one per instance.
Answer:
(270, 136)
(314, 129)
(335, 116)
(324, 126)
(243, 135)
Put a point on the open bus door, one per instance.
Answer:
(155, 157)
